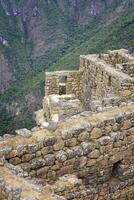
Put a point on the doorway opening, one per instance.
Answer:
(62, 85)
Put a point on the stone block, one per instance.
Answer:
(105, 140)
(71, 142)
(91, 162)
(95, 133)
(50, 159)
(59, 145)
(61, 156)
(15, 161)
(84, 136)
(27, 157)
(94, 154)
(46, 150)
(42, 172)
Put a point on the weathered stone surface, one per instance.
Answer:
(83, 161)
(126, 124)
(49, 141)
(50, 159)
(96, 133)
(37, 163)
(24, 132)
(91, 162)
(61, 156)
(104, 140)
(42, 172)
(78, 151)
(71, 142)
(15, 161)
(27, 157)
(59, 145)
(87, 147)
(84, 136)
(94, 154)
(12, 154)
(46, 150)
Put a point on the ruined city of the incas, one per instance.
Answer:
(66, 100)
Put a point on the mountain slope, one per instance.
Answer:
(111, 28)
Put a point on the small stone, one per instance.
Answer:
(58, 145)
(78, 151)
(51, 175)
(70, 153)
(32, 173)
(32, 148)
(27, 157)
(84, 136)
(22, 149)
(42, 172)
(87, 147)
(83, 161)
(50, 159)
(24, 132)
(96, 133)
(15, 161)
(38, 153)
(115, 127)
(91, 162)
(47, 150)
(37, 163)
(12, 154)
(61, 156)
(94, 154)
(126, 124)
(66, 135)
(26, 166)
(49, 141)
(71, 142)
(104, 140)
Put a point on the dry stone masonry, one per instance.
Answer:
(83, 146)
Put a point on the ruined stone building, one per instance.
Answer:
(83, 145)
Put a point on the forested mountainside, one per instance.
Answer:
(43, 35)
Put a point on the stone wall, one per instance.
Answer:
(73, 188)
(104, 83)
(102, 80)
(86, 147)
(98, 149)
(85, 155)
(60, 107)
(73, 82)
(127, 68)
(117, 57)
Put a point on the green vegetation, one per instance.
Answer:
(94, 38)
(16, 53)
